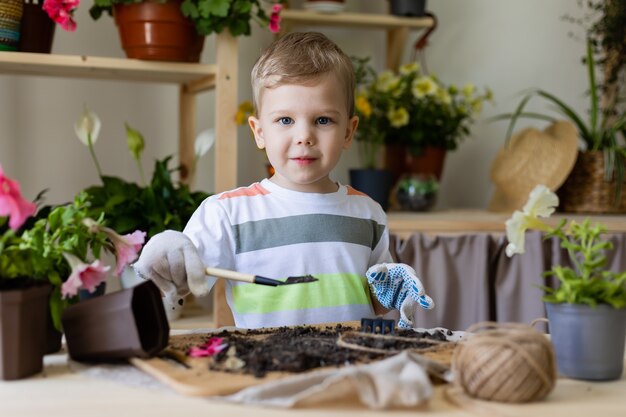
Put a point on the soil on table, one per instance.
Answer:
(302, 348)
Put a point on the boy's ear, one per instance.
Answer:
(255, 125)
(353, 123)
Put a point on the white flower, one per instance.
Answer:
(204, 142)
(541, 203)
(87, 128)
(410, 68)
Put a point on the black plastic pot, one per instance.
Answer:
(119, 325)
(407, 8)
(376, 183)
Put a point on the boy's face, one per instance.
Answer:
(304, 129)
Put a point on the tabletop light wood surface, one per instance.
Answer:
(59, 392)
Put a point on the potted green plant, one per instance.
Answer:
(154, 206)
(416, 115)
(596, 181)
(587, 309)
(172, 30)
(45, 259)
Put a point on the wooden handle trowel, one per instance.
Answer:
(256, 279)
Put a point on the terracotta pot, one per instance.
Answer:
(22, 331)
(157, 32)
(399, 160)
(37, 29)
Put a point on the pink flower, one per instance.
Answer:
(61, 12)
(212, 347)
(83, 275)
(127, 247)
(12, 204)
(274, 24)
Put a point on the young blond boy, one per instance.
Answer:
(299, 221)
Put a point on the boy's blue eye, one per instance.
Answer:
(324, 120)
(285, 121)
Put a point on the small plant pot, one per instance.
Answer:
(37, 29)
(588, 342)
(119, 325)
(415, 192)
(376, 183)
(407, 8)
(22, 331)
(158, 32)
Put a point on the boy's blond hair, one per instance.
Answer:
(302, 58)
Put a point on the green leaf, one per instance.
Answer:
(214, 7)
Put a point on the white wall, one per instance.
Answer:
(508, 45)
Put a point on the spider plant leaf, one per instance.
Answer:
(529, 115)
(593, 92)
(516, 114)
(569, 112)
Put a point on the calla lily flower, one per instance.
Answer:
(87, 128)
(204, 142)
(87, 276)
(12, 204)
(135, 141)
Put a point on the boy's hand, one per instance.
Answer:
(172, 262)
(397, 286)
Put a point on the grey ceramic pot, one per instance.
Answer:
(588, 342)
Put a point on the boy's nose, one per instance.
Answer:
(304, 136)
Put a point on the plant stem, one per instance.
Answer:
(141, 174)
(93, 154)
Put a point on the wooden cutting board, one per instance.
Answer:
(192, 376)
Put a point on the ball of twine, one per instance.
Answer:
(506, 362)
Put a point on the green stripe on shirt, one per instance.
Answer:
(306, 228)
(330, 290)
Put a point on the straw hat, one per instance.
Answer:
(532, 157)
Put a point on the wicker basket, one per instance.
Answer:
(586, 191)
(10, 17)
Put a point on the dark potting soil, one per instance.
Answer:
(301, 348)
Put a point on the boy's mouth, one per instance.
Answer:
(303, 160)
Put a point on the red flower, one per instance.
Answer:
(212, 347)
(61, 12)
(274, 24)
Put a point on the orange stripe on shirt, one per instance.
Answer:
(250, 191)
(352, 191)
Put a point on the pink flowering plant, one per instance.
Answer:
(57, 245)
(62, 12)
(208, 16)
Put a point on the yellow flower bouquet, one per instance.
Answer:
(412, 108)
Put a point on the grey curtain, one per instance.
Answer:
(471, 279)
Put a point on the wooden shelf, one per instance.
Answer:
(201, 76)
(364, 20)
(449, 222)
(397, 28)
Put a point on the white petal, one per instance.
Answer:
(515, 233)
(541, 202)
(204, 142)
(88, 124)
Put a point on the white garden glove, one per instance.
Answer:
(397, 286)
(172, 262)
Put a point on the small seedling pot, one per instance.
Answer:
(119, 325)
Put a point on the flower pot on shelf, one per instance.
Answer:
(586, 191)
(376, 183)
(157, 32)
(37, 29)
(399, 160)
(407, 8)
(22, 331)
(588, 341)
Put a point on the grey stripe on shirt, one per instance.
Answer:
(306, 228)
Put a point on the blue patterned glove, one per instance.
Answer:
(392, 284)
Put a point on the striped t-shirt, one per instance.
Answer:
(271, 231)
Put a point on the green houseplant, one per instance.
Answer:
(47, 255)
(587, 310)
(152, 207)
(414, 111)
